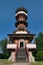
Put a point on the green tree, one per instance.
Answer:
(6, 52)
(40, 55)
(39, 43)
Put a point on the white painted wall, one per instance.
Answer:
(31, 46)
(11, 46)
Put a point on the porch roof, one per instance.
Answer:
(22, 36)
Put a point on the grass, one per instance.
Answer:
(5, 62)
(37, 63)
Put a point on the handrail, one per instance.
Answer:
(27, 53)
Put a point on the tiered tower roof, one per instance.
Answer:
(21, 16)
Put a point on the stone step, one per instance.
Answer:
(21, 58)
(21, 55)
(21, 50)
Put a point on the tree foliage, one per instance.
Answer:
(6, 52)
(39, 43)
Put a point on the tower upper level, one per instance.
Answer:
(21, 17)
(21, 14)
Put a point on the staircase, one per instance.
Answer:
(21, 55)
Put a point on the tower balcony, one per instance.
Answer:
(31, 46)
(21, 22)
(11, 46)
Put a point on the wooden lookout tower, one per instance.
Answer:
(20, 42)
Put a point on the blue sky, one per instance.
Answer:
(7, 15)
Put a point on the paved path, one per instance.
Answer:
(21, 63)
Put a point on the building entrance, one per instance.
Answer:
(21, 45)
